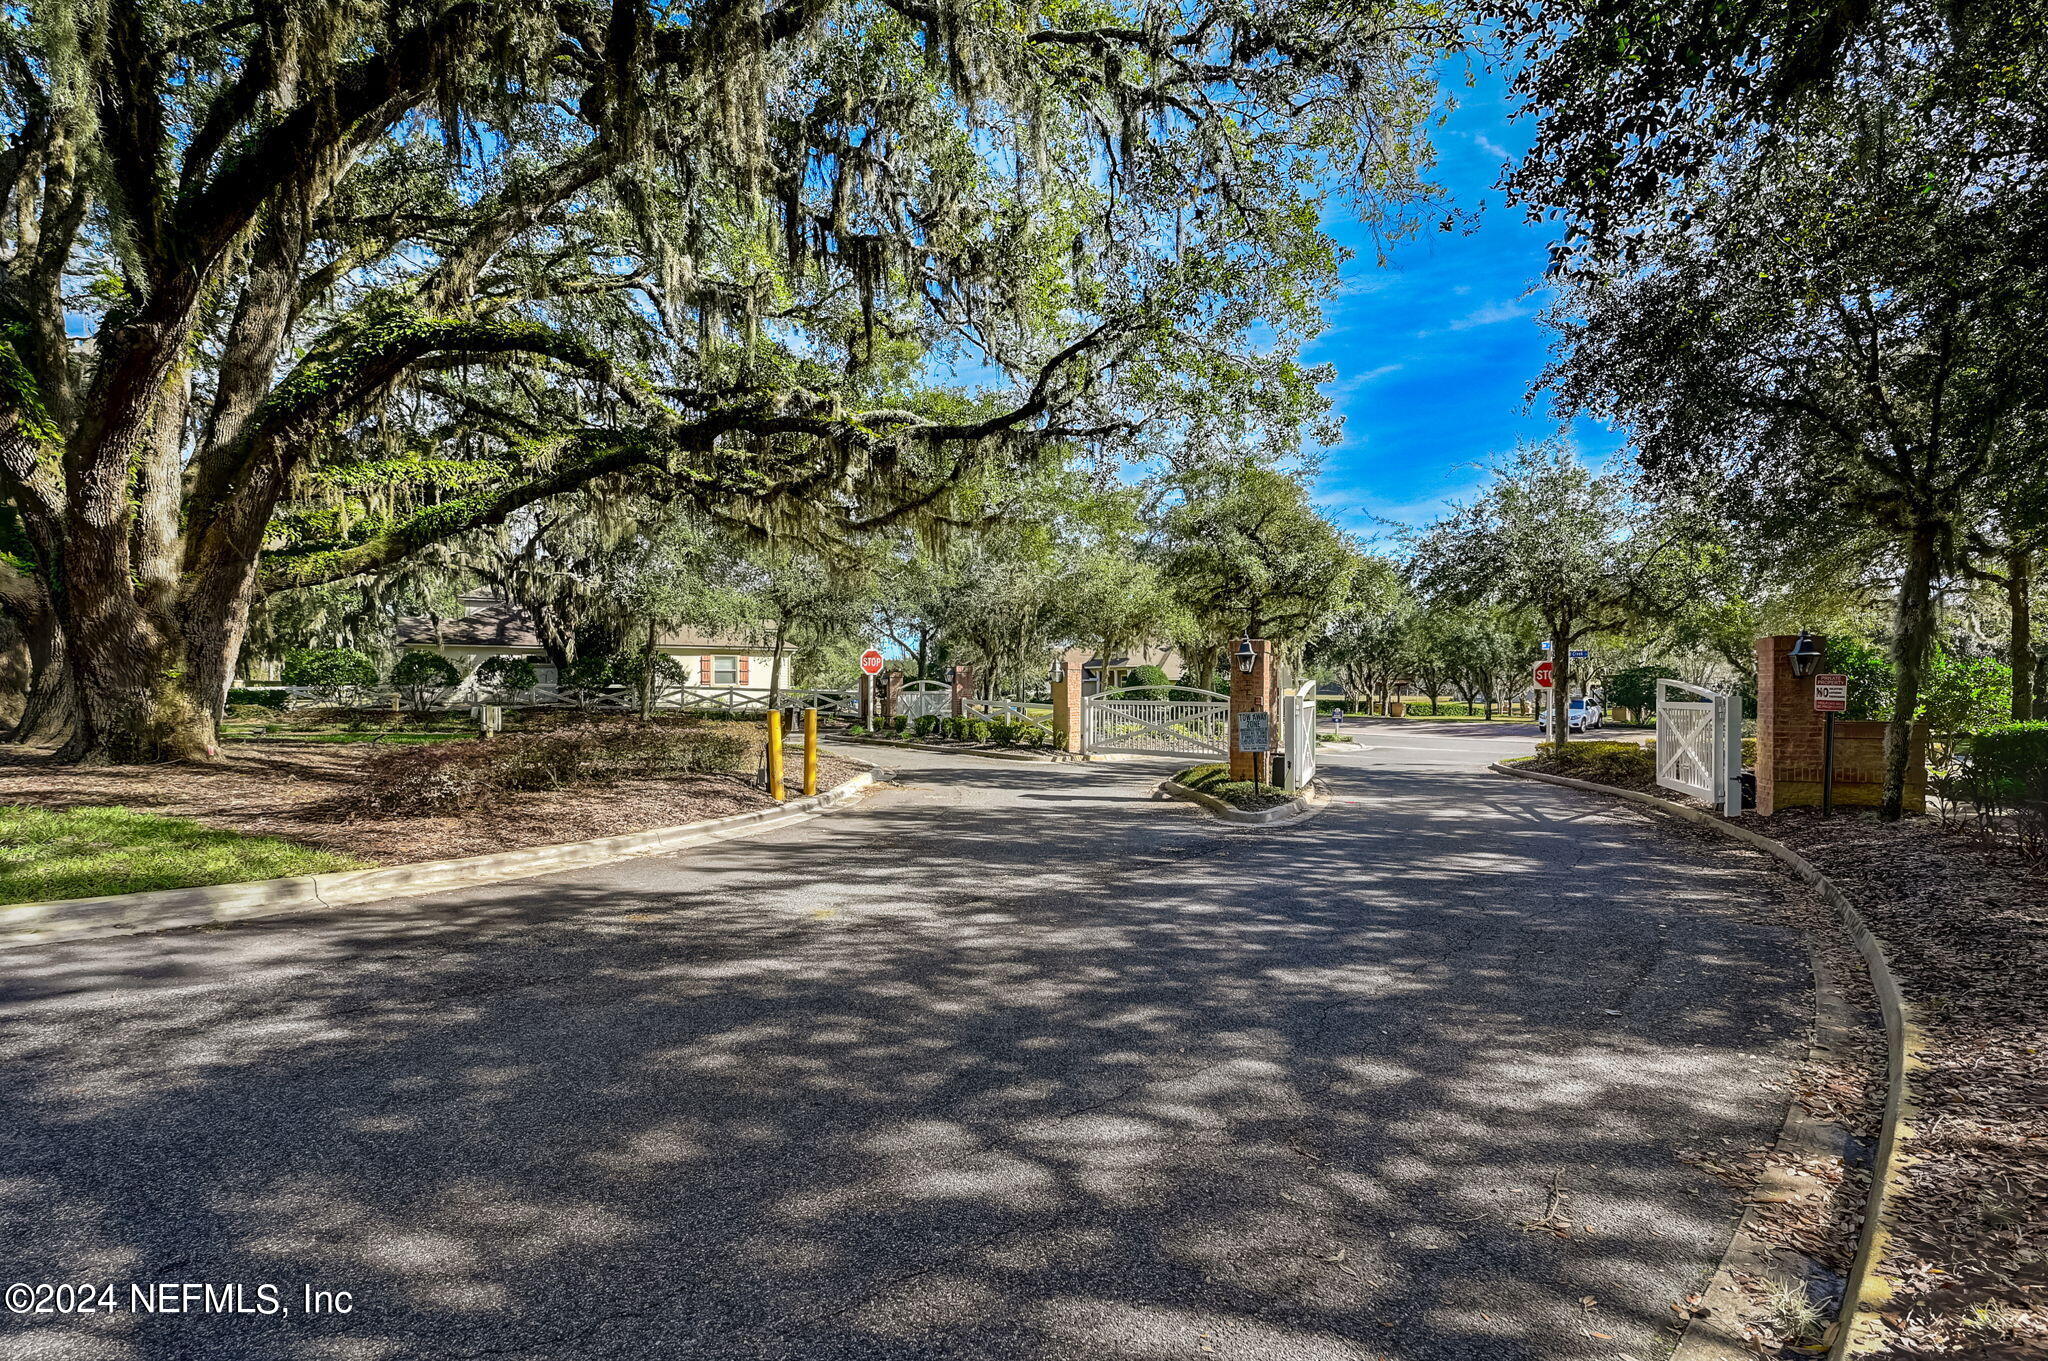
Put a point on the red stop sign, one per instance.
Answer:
(871, 662)
(1545, 672)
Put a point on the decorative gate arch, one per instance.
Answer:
(1117, 721)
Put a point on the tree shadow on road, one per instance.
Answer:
(1066, 1075)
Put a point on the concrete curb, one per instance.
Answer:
(23, 924)
(1049, 758)
(1296, 809)
(1860, 1328)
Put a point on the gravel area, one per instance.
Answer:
(305, 792)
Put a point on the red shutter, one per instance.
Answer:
(743, 671)
(703, 671)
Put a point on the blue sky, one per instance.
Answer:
(1435, 350)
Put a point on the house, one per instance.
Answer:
(491, 626)
(1109, 673)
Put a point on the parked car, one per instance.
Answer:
(1583, 716)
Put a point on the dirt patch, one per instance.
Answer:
(307, 793)
(1965, 927)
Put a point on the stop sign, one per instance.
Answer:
(1544, 672)
(871, 662)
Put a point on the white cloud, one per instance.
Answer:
(1493, 312)
(1491, 147)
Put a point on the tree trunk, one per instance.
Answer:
(647, 677)
(51, 711)
(1912, 632)
(1560, 682)
(2019, 586)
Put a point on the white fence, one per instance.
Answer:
(1699, 744)
(610, 699)
(1113, 722)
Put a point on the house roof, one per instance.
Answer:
(489, 621)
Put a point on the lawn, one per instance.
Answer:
(89, 852)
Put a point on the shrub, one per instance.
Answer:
(927, 724)
(1147, 682)
(268, 699)
(423, 677)
(979, 730)
(1202, 777)
(1622, 763)
(337, 675)
(504, 677)
(899, 723)
(2002, 775)
(450, 776)
(588, 677)
(856, 730)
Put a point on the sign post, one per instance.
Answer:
(1255, 734)
(1830, 697)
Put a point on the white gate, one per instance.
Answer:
(1298, 734)
(1114, 722)
(1012, 712)
(1699, 745)
(922, 699)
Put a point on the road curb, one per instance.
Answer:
(25, 924)
(1860, 1327)
(1300, 807)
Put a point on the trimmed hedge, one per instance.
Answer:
(1621, 763)
(268, 699)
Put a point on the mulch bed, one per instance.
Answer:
(1965, 927)
(308, 793)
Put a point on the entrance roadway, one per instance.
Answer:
(1009, 1061)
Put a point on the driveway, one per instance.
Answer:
(1006, 1062)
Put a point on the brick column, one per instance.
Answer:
(892, 693)
(1066, 700)
(1250, 691)
(1788, 731)
(963, 690)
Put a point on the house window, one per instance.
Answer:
(725, 671)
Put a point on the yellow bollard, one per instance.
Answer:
(810, 752)
(775, 755)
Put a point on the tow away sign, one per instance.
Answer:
(1831, 694)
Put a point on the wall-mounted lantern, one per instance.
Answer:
(1246, 657)
(1804, 656)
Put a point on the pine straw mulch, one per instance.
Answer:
(1965, 927)
(308, 793)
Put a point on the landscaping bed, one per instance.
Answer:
(1965, 927)
(1215, 781)
(978, 734)
(328, 798)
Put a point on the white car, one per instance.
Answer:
(1583, 716)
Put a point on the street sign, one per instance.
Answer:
(1546, 645)
(1831, 694)
(1544, 673)
(1580, 654)
(1255, 731)
(871, 662)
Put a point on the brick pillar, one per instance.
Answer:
(963, 690)
(1788, 731)
(1249, 691)
(1067, 704)
(892, 692)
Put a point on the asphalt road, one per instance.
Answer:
(1006, 1062)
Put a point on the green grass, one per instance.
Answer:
(90, 852)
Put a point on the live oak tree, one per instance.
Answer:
(1844, 331)
(1247, 552)
(1578, 550)
(292, 292)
